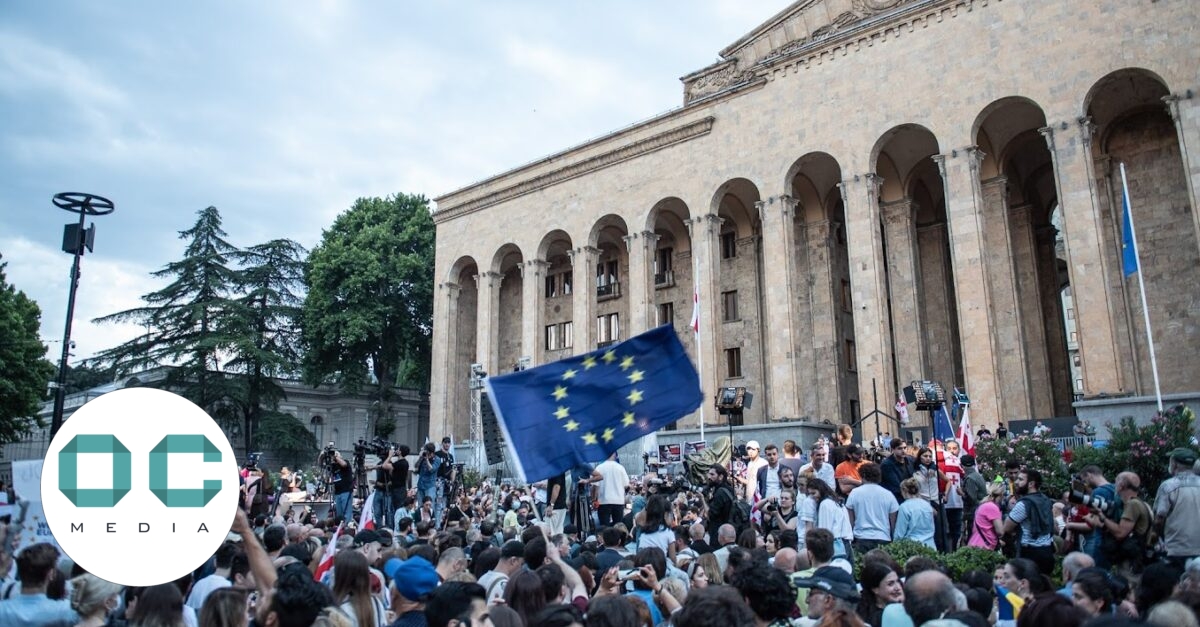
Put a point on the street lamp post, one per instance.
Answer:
(75, 239)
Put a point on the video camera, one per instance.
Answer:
(328, 457)
(252, 460)
(1098, 503)
(378, 446)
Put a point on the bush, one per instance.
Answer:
(970, 558)
(900, 550)
(1036, 451)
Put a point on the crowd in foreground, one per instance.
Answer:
(761, 547)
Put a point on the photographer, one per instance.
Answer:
(720, 499)
(342, 478)
(427, 472)
(397, 465)
(1129, 533)
(1100, 495)
(446, 475)
(780, 512)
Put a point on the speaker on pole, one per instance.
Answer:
(493, 446)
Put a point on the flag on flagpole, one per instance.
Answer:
(581, 409)
(327, 558)
(367, 519)
(966, 436)
(1129, 256)
(942, 430)
(902, 409)
(695, 323)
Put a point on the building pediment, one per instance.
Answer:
(805, 23)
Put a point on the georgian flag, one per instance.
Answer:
(966, 435)
(902, 409)
(367, 519)
(695, 323)
(327, 559)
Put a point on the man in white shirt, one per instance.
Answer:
(753, 464)
(612, 491)
(820, 469)
(219, 579)
(767, 477)
(872, 510)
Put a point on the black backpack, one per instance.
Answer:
(739, 515)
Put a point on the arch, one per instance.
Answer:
(672, 209)
(1004, 127)
(734, 200)
(556, 242)
(609, 229)
(1107, 97)
(454, 275)
(899, 152)
(504, 258)
(812, 180)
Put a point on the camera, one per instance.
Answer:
(328, 457)
(1097, 503)
(252, 460)
(772, 505)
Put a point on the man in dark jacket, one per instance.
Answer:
(896, 468)
(720, 499)
(1034, 515)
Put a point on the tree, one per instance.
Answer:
(262, 327)
(186, 322)
(82, 378)
(24, 370)
(370, 297)
(287, 437)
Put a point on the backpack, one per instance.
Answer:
(739, 515)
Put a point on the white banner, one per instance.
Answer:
(27, 479)
(34, 528)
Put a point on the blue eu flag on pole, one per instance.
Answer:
(942, 429)
(583, 408)
(1129, 260)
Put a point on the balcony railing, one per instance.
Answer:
(608, 290)
(664, 279)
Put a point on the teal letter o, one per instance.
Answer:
(68, 470)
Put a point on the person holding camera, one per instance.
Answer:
(427, 473)
(396, 465)
(1102, 499)
(343, 481)
(446, 475)
(1129, 533)
(780, 512)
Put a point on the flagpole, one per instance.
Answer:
(1141, 287)
(699, 350)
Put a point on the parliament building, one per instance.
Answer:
(864, 193)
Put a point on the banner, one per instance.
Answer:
(691, 448)
(27, 479)
(669, 454)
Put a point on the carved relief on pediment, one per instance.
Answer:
(717, 79)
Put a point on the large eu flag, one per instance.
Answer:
(583, 408)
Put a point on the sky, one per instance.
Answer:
(281, 114)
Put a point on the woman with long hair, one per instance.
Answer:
(712, 569)
(654, 530)
(224, 607)
(525, 594)
(748, 539)
(914, 521)
(829, 513)
(928, 475)
(158, 606)
(1092, 593)
(880, 587)
(94, 599)
(987, 527)
(352, 590)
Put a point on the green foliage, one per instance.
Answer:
(24, 370)
(370, 296)
(970, 558)
(81, 378)
(385, 427)
(1035, 451)
(187, 321)
(901, 551)
(288, 438)
(472, 477)
(1141, 449)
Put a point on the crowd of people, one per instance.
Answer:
(767, 544)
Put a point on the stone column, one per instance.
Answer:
(445, 337)
(487, 337)
(976, 315)
(1005, 314)
(1024, 249)
(942, 349)
(904, 290)
(583, 299)
(534, 275)
(1084, 226)
(868, 284)
(1186, 114)
(705, 231)
(641, 300)
(778, 255)
(823, 363)
(1050, 296)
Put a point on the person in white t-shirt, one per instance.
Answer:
(872, 510)
(219, 579)
(753, 463)
(612, 491)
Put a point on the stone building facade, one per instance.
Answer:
(863, 193)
